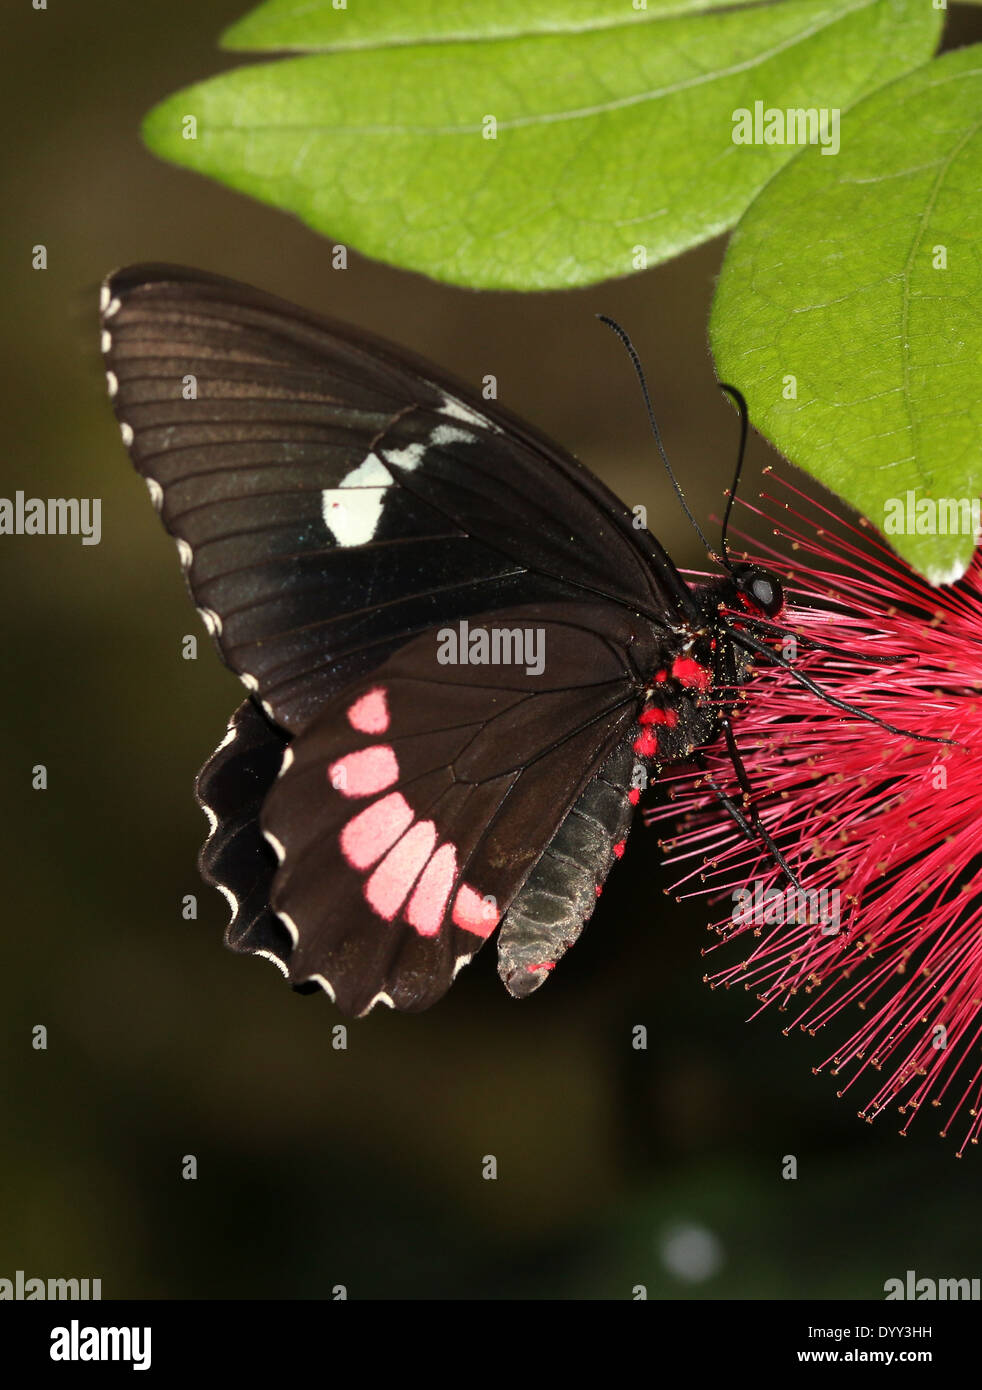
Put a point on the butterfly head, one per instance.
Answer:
(759, 589)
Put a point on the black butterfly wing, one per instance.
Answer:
(236, 858)
(415, 806)
(331, 497)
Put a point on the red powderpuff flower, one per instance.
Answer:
(882, 831)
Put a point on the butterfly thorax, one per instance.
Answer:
(687, 695)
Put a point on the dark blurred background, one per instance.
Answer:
(363, 1167)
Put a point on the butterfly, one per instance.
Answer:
(464, 658)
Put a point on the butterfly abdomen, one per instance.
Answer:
(561, 892)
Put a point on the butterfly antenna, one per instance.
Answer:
(636, 362)
(736, 395)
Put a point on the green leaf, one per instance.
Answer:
(304, 25)
(613, 145)
(860, 276)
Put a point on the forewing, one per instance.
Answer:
(332, 497)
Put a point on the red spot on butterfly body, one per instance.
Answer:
(619, 849)
(689, 672)
(543, 965)
(634, 796)
(656, 715)
(370, 713)
(646, 745)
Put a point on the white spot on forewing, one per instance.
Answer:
(268, 711)
(449, 434)
(184, 554)
(104, 298)
(287, 762)
(212, 819)
(459, 964)
(460, 411)
(352, 519)
(412, 455)
(111, 308)
(352, 510)
(213, 623)
(248, 681)
(156, 493)
(112, 384)
(105, 340)
(371, 472)
(409, 457)
(126, 432)
(277, 845)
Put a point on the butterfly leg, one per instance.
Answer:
(750, 644)
(763, 628)
(748, 820)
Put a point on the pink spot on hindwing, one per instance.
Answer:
(366, 772)
(368, 835)
(473, 913)
(389, 885)
(370, 713)
(385, 836)
(432, 892)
